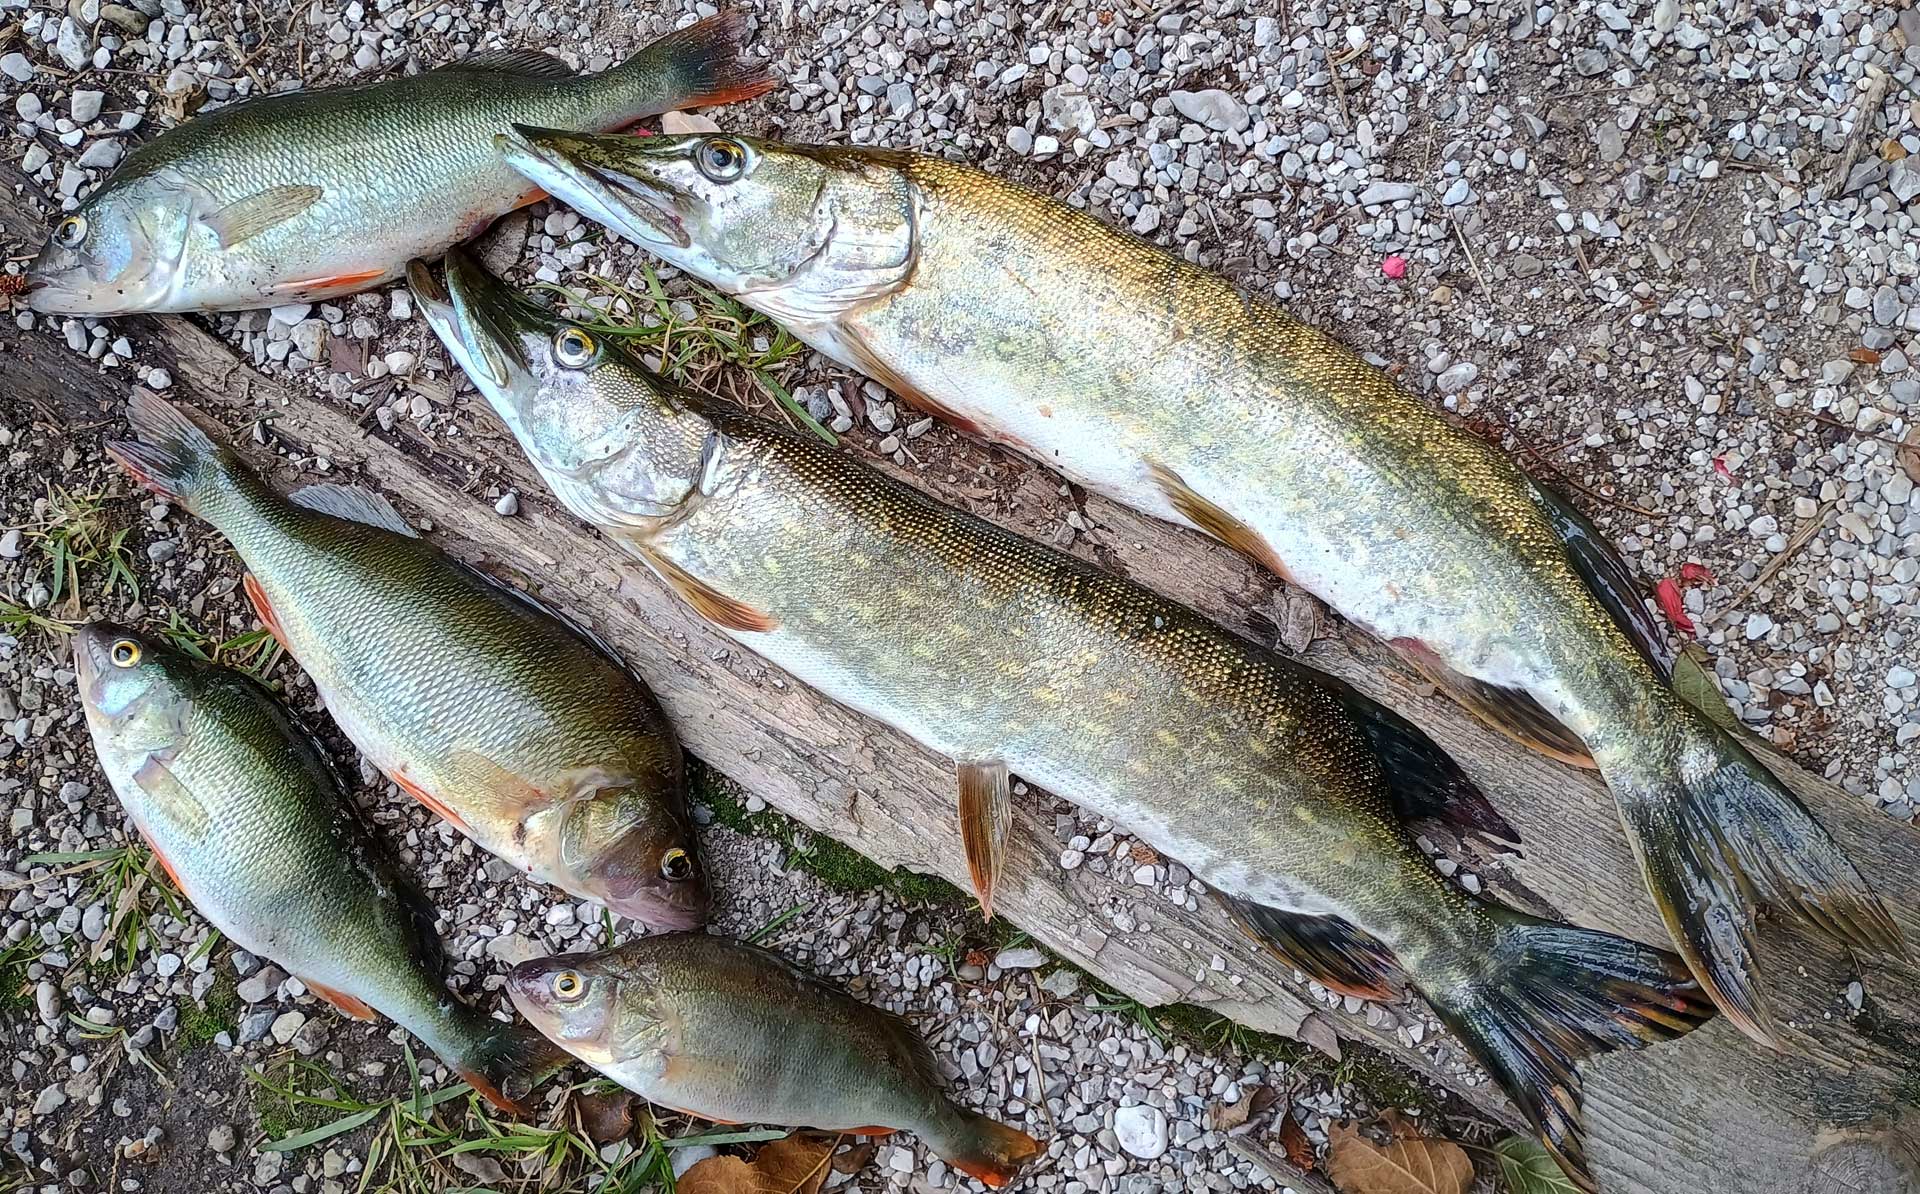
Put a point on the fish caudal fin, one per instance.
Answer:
(1719, 842)
(985, 1149)
(1549, 995)
(701, 65)
(171, 455)
(504, 1062)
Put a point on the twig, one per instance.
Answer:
(1800, 539)
(1464, 248)
(1868, 106)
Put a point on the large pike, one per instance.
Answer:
(1157, 383)
(1282, 788)
(524, 731)
(305, 195)
(245, 813)
(735, 1033)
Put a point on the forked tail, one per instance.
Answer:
(983, 1148)
(1551, 994)
(172, 456)
(696, 67)
(1718, 837)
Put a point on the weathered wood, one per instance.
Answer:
(1710, 1113)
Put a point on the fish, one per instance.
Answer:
(247, 816)
(1028, 323)
(734, 1033)
(300, 196)
(521, 729)
(1285, 790)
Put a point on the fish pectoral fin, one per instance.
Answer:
(870, 363)
(871, 1131)
(171, 799)
(413, 789)
(263, 609)
(246, 218)
(1608, 578)
(986, 818)
(707, 601)
(348, 1004)
(1341, 956)
(1508, 710)
(1215, 521)
(725, 1123)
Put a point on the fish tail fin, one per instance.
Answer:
(1548, 995)
(171, 455)
(985, 1149)
(1718, 836)
(696, 67)
(504, 1062)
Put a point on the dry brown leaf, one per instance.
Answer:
(1407, 1165)
(1908, 455)
(1892, 150)
(1143, 854)
(605, 1117)
(854, 1157)
(1863, 356)
(1225, 1117)
(791, 1165)
(1293, 1138)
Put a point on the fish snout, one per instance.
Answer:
(654, 899)
(93, 646)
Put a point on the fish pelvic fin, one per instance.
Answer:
(1718, 843)
(986, 817)
(1508, 710)
(348, 1005)
(707, 601)
(504, 1062)
(1338, 955)
(1547, 995)
(984, 1149)
(694, 67)
(1216, 522)
(171, 454)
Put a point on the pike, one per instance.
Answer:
(252, 823)
(305, 195)
(525, 732)
(1155, 382)
(737, 1034)
(1283, 789)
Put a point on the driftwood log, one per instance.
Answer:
(1711, 1113)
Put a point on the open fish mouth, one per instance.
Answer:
(640, 209)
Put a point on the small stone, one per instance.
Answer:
(1019, 140)
(1019, 957)
(508, 505)
(1458, 377)
(287, 1025)
(85, 105)
(1457, 194)
(1141, 1131)
(1212, 108)
(220, 1138)
(16, 67)
(1590, 62)
(1387, 192)
(10, 544)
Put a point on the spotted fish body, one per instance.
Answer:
(1280, 787)
(1159, 384)
(531, 738)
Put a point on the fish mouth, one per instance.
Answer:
(640, 208)
(663, 911)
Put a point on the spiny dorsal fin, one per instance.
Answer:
(246, 218)
(355, 505)
(535, 63)
(1608, 578)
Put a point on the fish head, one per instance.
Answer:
(617, 443)
(603, 1008)
(123, 250)
(800, 231)
(628, 850)
(136, 691)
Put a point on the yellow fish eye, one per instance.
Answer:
(124, 653)
(70, 232)
(721, 158)
(567, 985)
(675, 864)
(573, 347)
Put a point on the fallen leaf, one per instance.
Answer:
(1892, 150)
(605, 1117)
(1293, 1138)
(791, 1165)
(1407, 1165)
(676, 124)
(1526, 1168)
(1720, 466)
(1262, 1098)
(1908, 455)
(1143, 854)
(1696, 574)
(1667, 593)
(1863, 356)
(1693, 683)
(854, 1157)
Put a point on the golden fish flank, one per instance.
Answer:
(1155, 382)
(1303, 834)
(527, 734)
(250, 821)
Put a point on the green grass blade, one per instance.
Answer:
(324, 1132)
(799, 412)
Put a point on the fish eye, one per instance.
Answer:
(70, 232)
(572, 347)
(568, 985)
(721, 158)
(124, 653)
(675, 865)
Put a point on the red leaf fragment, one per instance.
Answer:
(1667, 593)
(1720, 466)
(1696, 574)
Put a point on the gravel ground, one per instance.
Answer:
(1661, 250)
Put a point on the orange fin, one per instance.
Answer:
(725, 1123)
(327, 285)
(1507, 710)
(990, 1152)
(264, 611)
(347, 1004)
(164, 864)
(709, 602)
(424, 797)
(986, 817)
(1217, 522)
(871, 1131)
(489, 1090)
(1341, 956)
(869, 363)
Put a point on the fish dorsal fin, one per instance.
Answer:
(1608, 578)
(583, 633)
(246, 218)
(536, 63)
(354, 505)
(1423, 781)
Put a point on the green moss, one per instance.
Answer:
(201, 1022)
(838, 866)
